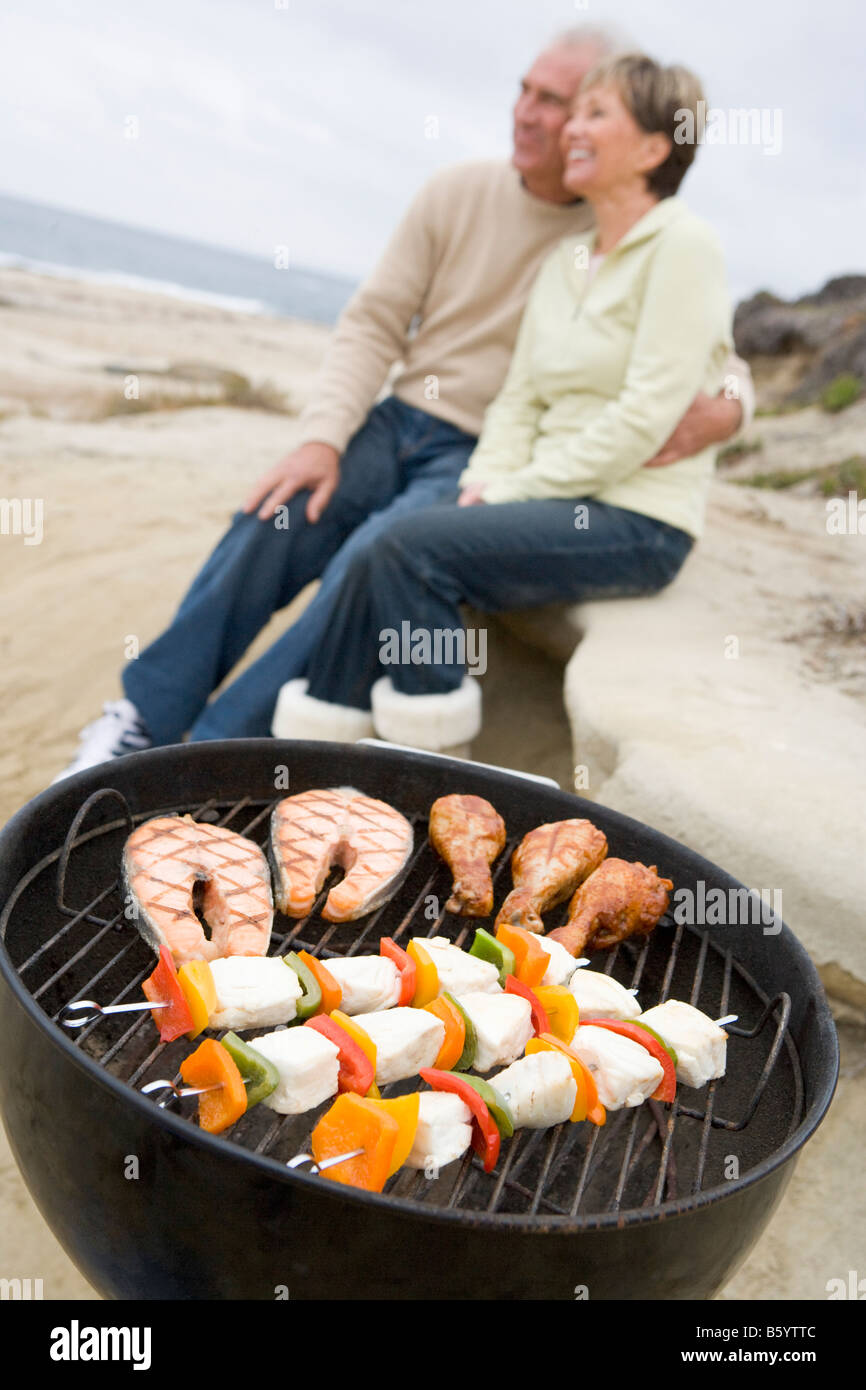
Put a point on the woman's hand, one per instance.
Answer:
(471, 495)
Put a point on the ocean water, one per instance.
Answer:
(54, 241)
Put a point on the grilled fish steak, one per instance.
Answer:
(620, 899)
(468, 833)
(315, 830)
(163, 861)
(547, 866)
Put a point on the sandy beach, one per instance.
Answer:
(139, 422)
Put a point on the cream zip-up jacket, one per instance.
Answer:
(605, 367)
(446, 301)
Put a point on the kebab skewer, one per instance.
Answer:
(407, 1038)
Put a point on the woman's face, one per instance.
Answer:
(603, 146)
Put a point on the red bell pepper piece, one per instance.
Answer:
(163, 987)
(486, 1138)
(405, 964)
(540, 1021)
(357, 1072)
(667, 1087)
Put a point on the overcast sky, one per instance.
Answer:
(307, 122)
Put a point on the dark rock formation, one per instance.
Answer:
(824, 335)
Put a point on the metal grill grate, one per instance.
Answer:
(643, 1157)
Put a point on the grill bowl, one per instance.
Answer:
(148, 1206)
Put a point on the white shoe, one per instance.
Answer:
(120, 729)
(445, 722)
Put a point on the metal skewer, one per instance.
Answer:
(67, 1015)
(175, 1089)
(315, 1167)
(183, 1091)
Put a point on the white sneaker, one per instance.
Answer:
(119, 730)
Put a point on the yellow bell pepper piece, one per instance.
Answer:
(405, 1110)
(426, 974)
(357, 1034)
(560, 1006)
(197, 982)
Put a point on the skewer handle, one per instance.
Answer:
(183, 1091)
(174, 1090)
(300, 1159)
(71, 1015)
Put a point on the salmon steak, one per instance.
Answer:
(165, 860)
(316, 830)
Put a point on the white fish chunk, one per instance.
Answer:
(540, 1090)
(444, 1131)
(562, 964)
(503, 1024)
(700, 1044)
(254, 992)
(600, 996)
(369, 983)
(624, 1072)
(459, 972)
(406, 1040)
(309, 1068)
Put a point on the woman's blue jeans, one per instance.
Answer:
(400, 597)
(392, 549)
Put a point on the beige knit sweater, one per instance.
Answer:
(445, 302)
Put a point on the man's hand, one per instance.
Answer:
(708, 420)
(314, 465)
(471, 495)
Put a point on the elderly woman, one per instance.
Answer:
(623, 328)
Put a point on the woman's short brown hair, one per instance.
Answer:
(656, 97)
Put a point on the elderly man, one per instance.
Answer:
(445, 302)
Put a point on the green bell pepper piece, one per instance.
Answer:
(470, 1045)
(258, 1071)
(659, 1039)
(486, 947)
(310, 1001)
(496, 1104)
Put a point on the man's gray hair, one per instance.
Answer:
(607, 39)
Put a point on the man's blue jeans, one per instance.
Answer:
(400, 461)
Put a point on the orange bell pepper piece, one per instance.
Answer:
(587, 1105)
(351, 1123)
(405, 1110)
(560, 1006)
(531, 959)
(332, 994)
(211, 1065)
(455, 1032)
(427, 976)
(197, 982)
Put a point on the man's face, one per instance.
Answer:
(543, 106)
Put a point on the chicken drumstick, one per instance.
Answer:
(468, 833)
(620, 899)
(547, 865)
